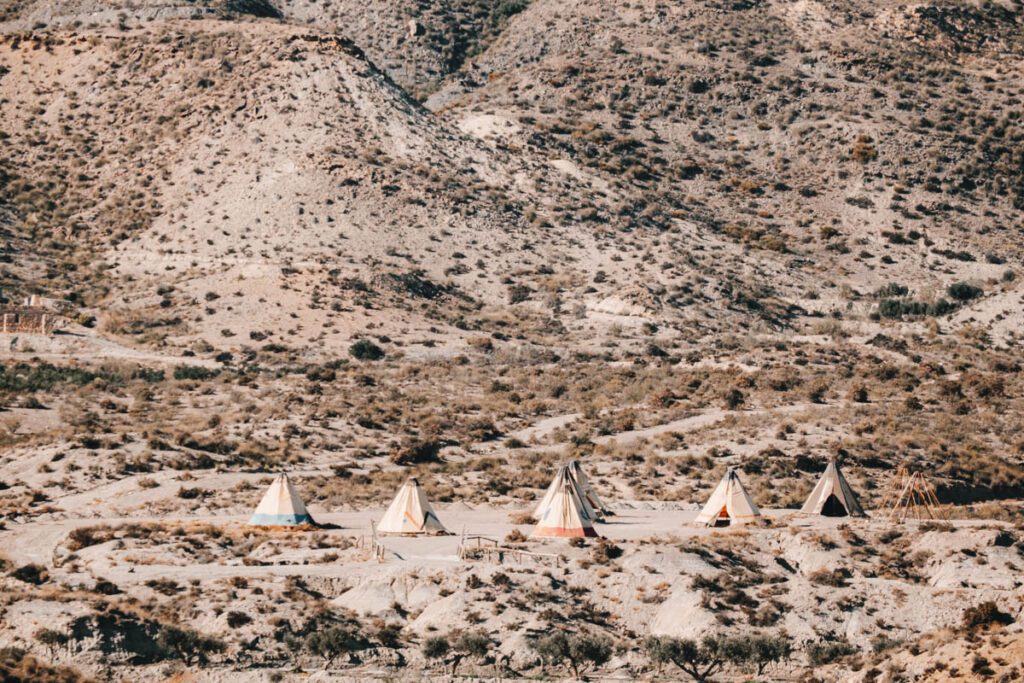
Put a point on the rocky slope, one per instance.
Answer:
(662, 238)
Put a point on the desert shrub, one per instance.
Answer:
(85, 536)
(186, 644)
(31, 573)
(194, 372)
(984, 615)
(863, 149)
(51, 639)
(256, 8)
(23, 378)
(836, 578)
(506, 9)
(436, 647)
(898, 308)
(415, 451)
(332, 642)
(237, 619)
(472, 644)
(963, 291)
(605, 551)
(515, 536)
(828, 651)
(17, 666)
(734, 398)
(859, 394)
(891, 290)
(760, 651)
(364, 349)
(518, 294)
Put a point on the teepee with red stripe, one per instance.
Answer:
(564, 513)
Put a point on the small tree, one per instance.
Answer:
(332, 642)
(700, 660)
(188, 645)
(581, 650)
(761, 651)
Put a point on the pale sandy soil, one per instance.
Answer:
(649, 588)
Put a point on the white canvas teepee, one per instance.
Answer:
(729, 504)
(833, 497)
(564, 514)
(588, 497)
(281, 506)
(589, 493)
(410, 513)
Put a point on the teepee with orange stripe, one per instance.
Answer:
(564, 513)
(410, 513)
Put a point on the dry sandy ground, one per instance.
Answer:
(650, 588)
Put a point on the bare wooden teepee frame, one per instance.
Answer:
(910, 495)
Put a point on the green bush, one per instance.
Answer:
(195, 372)
(31, 573)
(828, 651)
(364, 349)
(507, 9)
(332, 642)
(898, 308)
(186, 644)
(702, 660)
(580, 650)
(435, 647)
(962, 291)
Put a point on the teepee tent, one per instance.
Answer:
(588, 497)
(589, 494)
(833, 497)
(729, 504)
(564, 513)
(281, 506)
(410, 513)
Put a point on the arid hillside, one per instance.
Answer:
(464, 241)
(865, 146)
(694, 168)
